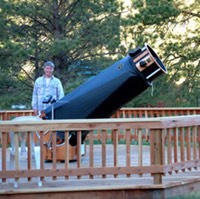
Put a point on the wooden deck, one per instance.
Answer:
(121, 187)
(109, 187)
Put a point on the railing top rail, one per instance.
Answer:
(13, 111)
(91, 124)
(160, 108)
(125, 108)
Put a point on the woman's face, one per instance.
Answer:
(48, 71)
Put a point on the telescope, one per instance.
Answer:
(102, 95)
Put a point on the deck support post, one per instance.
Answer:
(157, 152)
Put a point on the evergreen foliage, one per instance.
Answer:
(83, 37)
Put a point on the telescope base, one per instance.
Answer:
(60, 152)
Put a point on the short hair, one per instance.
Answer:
(49, 63)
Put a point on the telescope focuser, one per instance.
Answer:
(143, 64)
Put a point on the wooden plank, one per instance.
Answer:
(103, 151)
(176, 132)
(182, 145)
(115, 148)
(169, 146)
(66, 152)
(198, 137)
(29, 155)
(182, 165)
(53, 135)
(194, 141)
(157, 152)
(90, 124)
(128, 151)
(140, 152)
(188, 139)
(91, 151)
(79, 151)
(42, 158)
(4, 157)
(103, 171)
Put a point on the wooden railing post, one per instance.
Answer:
(4, 157)
(157, 152)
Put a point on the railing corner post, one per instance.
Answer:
(157, 152)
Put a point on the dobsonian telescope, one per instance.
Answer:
(102, 95)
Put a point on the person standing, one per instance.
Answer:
(44, 86)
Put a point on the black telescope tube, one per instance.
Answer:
(102, 95)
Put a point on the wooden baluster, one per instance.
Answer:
(54, 152)
(128, 150)
(16, 143)
(176, 146)
(169, 147)
(91, 151)
(29, 153)
(115, 143)
(188, 144)
(140, 152)
(79, 152)
(67, 145)
(146, 130)
(42, 158)
(4, 157)
(194, 140)
(182, 145)
(188, 139)
(103, 151)
(198, 138)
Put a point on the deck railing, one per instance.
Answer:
(10, 114)
(155, 112)
(121, 113)
(173, 146)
